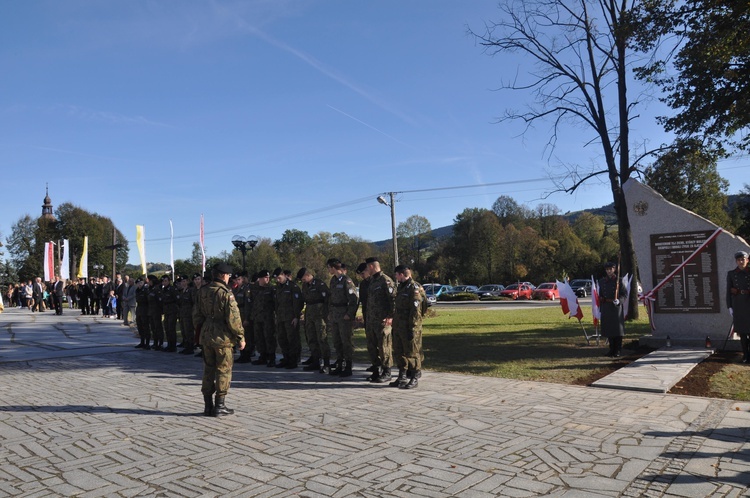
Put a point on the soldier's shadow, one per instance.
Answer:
(91, 409)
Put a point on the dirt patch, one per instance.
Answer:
(698, 381)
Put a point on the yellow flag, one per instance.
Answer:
(139, 238)
(83, 266)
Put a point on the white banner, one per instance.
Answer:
(140, 232)
(65, 263)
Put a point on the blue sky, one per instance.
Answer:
(268, 115)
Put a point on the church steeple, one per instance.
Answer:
(47, 206)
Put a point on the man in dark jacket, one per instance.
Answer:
(613, 318)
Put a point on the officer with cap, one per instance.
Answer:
(315, 294)
(380, 301)
(613, 317)
(341, 313)
(264, 303)
(217, 317)
(738, 301)
(141, 314)
(169, 301)
(155, 312)
(410, 307)
(289, 305)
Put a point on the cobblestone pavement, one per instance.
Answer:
(83, 413)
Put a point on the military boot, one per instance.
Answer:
(245, 356)
(325, 368)
(336, 370)
(375, 375)
(413, 380)
(282, 362)
(260, 361)
(400, 380)
(208, 401)
(312, 366)
(308, 361)
(385, 376)
(271, 363)
(346, 370)
(220, 409)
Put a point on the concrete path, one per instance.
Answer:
(656, 372)
(95, 417)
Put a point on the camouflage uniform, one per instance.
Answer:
(341, 314)
(264, 323)
(372, 342)
(288, 308)
(315, 293)
(154, 314)
(411, 304)
(380, 301)
(141, 315)
(169, 301)
(216, 315)
(185, 302)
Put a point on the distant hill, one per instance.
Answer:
(607, 212)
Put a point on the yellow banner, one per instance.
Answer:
(83, 266)
(140, 240)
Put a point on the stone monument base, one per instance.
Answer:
(717, 343)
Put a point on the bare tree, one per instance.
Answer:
(581, 51)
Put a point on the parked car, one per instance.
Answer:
(517, 291)
(547, 290)
(490, 290)
(434, 291)
(581, 286)
(463, 288)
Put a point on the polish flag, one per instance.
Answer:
(595, 311)
(569, 300)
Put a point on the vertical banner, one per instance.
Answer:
(65, 263)
(203, 249)
(49, 261)
(140, 241)
(171, 248)
(83, 266)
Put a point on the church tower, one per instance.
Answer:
(47, 207)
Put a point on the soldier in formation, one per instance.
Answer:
(410, 307)
(380, 301)
(342, 310)
(316, 295)
(289, 305)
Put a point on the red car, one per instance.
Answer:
(546, 291)
(517, 291)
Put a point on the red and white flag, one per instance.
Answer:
(49, 261)
(626, 281)
(595, 311)
(569, 300)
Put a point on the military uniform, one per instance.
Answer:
(315, 294)
(154, 314)
(264, 324)
(380, 301)
(372, 342)
(289, 305)
(217, 317)
(169, 301)
(342, 310)
(141, 316)
(185, 302)
(247, 294)
(738, 300)
(410, 306)
(613, 318)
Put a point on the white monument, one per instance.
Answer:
(683, 260)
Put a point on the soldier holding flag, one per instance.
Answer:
(612, 315)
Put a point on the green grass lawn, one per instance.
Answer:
(538, 344)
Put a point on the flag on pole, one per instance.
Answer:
(569, 300)
(49, 261)
(203, 248)
(83, 266)
(171, 248)
(626, 281)
(596, 312)
(141, 242)
(65, 263)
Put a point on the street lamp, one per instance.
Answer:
(98, 267)
(392, 205)
(243, 244)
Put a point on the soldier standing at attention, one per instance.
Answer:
(169, 301)
(155, 312)
(613, 318)
(239, 291)
(141, 314)
(264, 303)
(315, 294)
(185, 302)
(380, 300)
(288, 308)
(411, 304)
(342, 310)
(217, 317)
(372, 343)
(738, 301)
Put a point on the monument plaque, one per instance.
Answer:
(693, 289)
